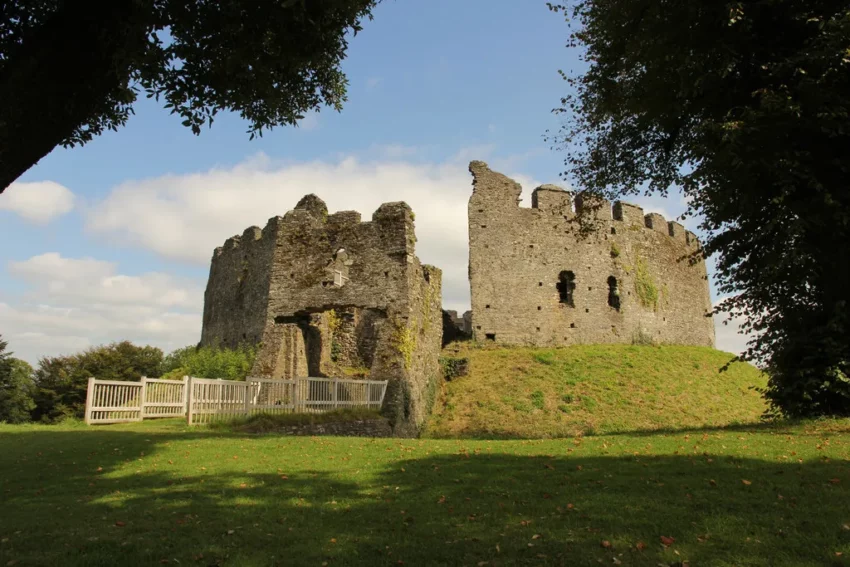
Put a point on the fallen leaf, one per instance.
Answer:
(845, 527)
(120, 524)
(746, 482)
(535, 536)
(616, 561)
(640, 546)
(605, 543)
(284, 477)
(333, 540)
(230, 532)
(667, 541)
(834, 480)
(712, 482)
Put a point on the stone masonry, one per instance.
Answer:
(536, 280)
(329, 295)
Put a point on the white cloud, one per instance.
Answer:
(39, 201)
(186, 217)
(75, 303)
(95, 280)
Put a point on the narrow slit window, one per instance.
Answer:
(566, 287)
(613, 293)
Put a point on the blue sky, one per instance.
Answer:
(135, 214)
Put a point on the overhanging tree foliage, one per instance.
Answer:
(744, 105)
(70, 69)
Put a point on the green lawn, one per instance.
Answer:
(529, 393)
(157, 493)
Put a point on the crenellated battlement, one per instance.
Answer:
(311, 213)
(558, 201)
(536, 278)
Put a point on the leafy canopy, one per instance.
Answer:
(74, 70)
(744, 106)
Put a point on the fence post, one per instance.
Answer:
(189, 404)
(142, 397)
(333, 397)
(185, 393)
(247, 397)
(89, 400)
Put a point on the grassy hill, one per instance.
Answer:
(532, 392)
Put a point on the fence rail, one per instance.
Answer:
(215, 400)
(204, 400)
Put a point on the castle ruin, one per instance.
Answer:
(536, 280)
(329, 295)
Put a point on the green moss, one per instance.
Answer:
(355, 371)
(333, 321)
(615, 250)
(645, 287)
(404, 341)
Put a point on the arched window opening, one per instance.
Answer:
(566, 287)
(613, 293)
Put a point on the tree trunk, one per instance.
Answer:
(61, 76)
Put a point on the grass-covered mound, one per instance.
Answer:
(531, 392)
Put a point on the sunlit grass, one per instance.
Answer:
(532, 392)
(160, 493)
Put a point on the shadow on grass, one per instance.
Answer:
(137, 498)
(775, 426)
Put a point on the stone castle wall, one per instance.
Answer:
(329, 295)
(535, 281)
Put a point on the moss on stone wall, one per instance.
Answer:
(645, 287)
(404, 341)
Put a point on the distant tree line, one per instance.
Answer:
(56, 389)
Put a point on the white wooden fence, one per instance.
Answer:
(204, 401)
(214, 400)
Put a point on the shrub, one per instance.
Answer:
(61, 381)
(210, 362)
(537, 399)
(453, 367)
(16, 388)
